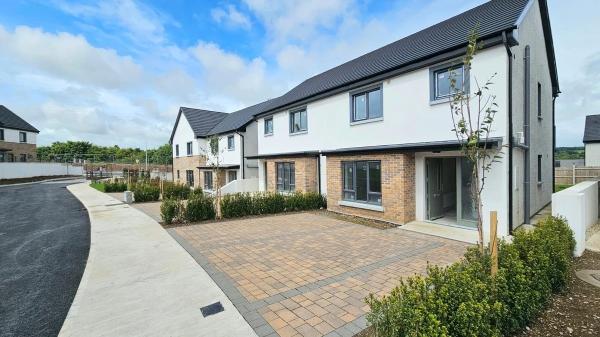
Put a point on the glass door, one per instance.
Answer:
(466, 207)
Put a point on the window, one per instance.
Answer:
(298, 121)
(189, 177)
(208, 180)
(23, 137)
(362, 181)
(2, 157)
(231, 176)
(23, 157)
(177, 150)
(269, 126)
(539, 167)
(539, 101)
(178, 177)
(367, 105)
(448, 81)
(286, 177)
(1, 134)
(189, 148)
(230, 143)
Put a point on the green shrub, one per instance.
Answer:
(171, 210)
(115, 186)
(244, 204)
(197, 191)
(145, 192)
(464, 300)
(199, 208)
(176, 191)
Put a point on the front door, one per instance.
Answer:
(435, 202)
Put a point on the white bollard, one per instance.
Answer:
(128, 197)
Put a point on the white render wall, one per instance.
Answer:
(592, 154)
(226, 156)
(11, 135)
(33, 169)
(183, 135)
(408, 116)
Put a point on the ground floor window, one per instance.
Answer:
(189, 177)
(2, 157)
(231, 176)
(362, 181)
(178, 177)
(208, 180)
(286, 177)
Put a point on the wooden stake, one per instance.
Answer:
(494, 241)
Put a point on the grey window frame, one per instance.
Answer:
(23, 157)
(539, 168)
(291, 118)
(231, 146)
(208, 183)
(268, 119)
(178, 176)
(368, 187)
(433, 71)
(189, 177)
(366, 91)
(189, 147)
(291, 173)
(22, 137)
(176, 150)
(229, 175)
(1, 134)
(539, 100)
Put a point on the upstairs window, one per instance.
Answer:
(189, 148)
(539, 100)
(362, 181)
(367, 105)
(298, 122)
(269, 126)
(177, 150)
(286, 177)
(23, 137)
(442, 86)
(230, 143)
(1, 134)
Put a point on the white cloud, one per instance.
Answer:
(231, 17)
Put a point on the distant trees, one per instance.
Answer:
(70, 150)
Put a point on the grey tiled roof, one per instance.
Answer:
(592, 129)
(10, 120)
(200, 120)
(240, 118)
(491, 18)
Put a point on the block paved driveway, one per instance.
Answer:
(307, 274)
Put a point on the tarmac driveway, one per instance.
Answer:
(307, 274)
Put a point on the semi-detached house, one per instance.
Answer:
(374, 134)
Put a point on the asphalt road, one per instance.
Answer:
(44, 245)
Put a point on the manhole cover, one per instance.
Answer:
(590, 276)
(212, 309)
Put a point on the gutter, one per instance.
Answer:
(510, 135)
(554, 144)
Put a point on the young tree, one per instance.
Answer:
(473, 117)
(215, 152)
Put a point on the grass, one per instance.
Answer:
(560, 187)
(98, 186)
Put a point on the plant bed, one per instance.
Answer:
(379, 224)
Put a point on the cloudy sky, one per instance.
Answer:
(115, 72)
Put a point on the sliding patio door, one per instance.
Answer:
(466, 207)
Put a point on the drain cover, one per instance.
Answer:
(212, 309)
(590, 276)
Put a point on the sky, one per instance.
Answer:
(117, 71)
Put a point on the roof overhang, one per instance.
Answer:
(212, 167)
(447, 145)
(285, 154)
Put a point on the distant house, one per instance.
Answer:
(17, 137)
(591, 140)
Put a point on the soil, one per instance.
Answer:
(32, 179)
(576, 312)
(379, 224)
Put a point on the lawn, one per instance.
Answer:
(99, 186)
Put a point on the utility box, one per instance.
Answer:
(128, 197)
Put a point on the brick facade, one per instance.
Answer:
(221, 174)
(188, 163)
(397, 186)
(306, 173)
(16, 149)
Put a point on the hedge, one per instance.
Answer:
(465, 300)
(143, 192)
(177, 191)
(244, 204)
(199, 207)
(107, 186)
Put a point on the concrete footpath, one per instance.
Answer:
(140, 282)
